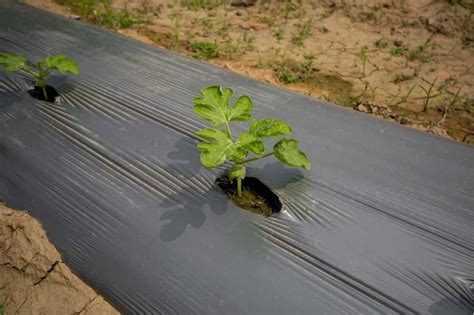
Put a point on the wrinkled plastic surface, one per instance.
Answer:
(383, 223)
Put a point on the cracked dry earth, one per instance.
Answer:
(33, 276)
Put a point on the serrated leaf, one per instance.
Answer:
(12, 62)
(240, 110)
(239, 152)
(237, 171)
(213, 134)
(271, 128)
(253, 127)
(264, 123)
(213, 104)
(215, 152)
(68, 66)
(61, 63)
(286, 150)
(251, 143)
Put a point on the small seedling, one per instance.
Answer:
(289, 78)
(125, 19)
(270, 21)
(451, 104)
(230, 48)
(419, 53)
(242, 45)
(324, 15)
(205, 50)
(102, 13)
(247, 41)
(279, 32)
(286, 70)
(401, 77)
(111, 18)
(363, 59)
(428, 94)
(83, 7)
(468, 106)
(291, 71)
(303, 33)
(397, 51)
(220, 146)
(208, 25)
(308, 67)
(404, 98)
(43, 68)
(382, 42)
(291, 6)
(223, 31)
(175, 30)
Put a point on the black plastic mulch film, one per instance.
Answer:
(382, 223)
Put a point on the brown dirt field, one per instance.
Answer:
(33, 276)
(376, 56)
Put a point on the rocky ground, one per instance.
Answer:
(33, 276)
(406, 61)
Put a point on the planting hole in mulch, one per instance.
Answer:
(38, 93)
(256, 196)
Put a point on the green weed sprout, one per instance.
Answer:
(363, 59)
(205, 50)
(220, 146)
(18, 62)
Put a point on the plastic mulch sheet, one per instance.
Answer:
(382, 223)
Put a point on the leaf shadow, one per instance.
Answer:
(276, 175)
(199, 194)
(187, 206)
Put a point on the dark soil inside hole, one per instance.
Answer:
(256, 196)
(37, 92)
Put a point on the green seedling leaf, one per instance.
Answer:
(253, 127)
(213, 106)
(61, 63)
(287, 152)
(219, 145)
(272, 128)
(240, 110)
(363, 56)
(215, 153)
(251, 143)
(239, 153)
(205, 50)
(12, 62)
(237, 171)
(213, 134)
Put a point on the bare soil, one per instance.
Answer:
(33, 276)
(410, 62)
(255, 196)
(251, 202)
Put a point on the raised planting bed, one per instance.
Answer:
(381, 223)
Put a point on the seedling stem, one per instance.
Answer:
(14, 63)
(219, 145)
